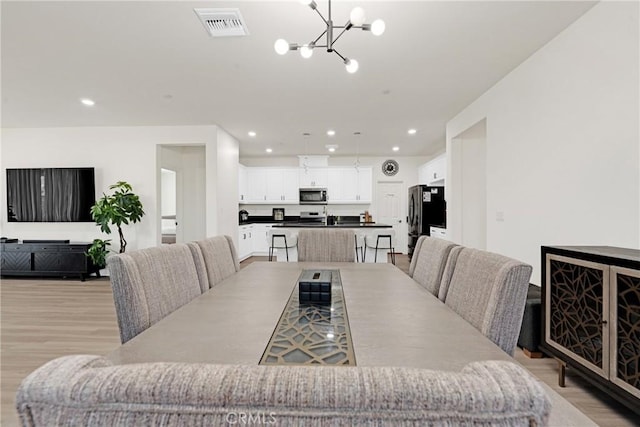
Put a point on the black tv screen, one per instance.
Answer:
(50, 194)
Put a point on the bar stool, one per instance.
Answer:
(282, 239)
(377, 239)
(359, 236)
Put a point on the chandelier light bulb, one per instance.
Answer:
(281, 46)
(377, 27)
(351, 65)
(357, 16)
(311, 3)
(306, 51)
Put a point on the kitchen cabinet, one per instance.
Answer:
(439, 232)
(272, 186)
(242, 184)
(591, 316)
(348, 185)
(433, 172)
(245, 242)
(256, 185)
(259, 237)
(290, 186)
(253, 240)
(313, 177)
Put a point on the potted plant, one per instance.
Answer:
(121, 207)
(98, 251)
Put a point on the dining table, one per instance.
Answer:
(391, 321)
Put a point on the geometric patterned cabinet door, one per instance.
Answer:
(577, 311)
(591, 316)
(16, 261)
(625, 331)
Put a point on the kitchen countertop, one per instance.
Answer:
(339, 225)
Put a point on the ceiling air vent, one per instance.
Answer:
(219, 22)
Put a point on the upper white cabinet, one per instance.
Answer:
(271, 185)
(346, 185)
(280, 186)
(313, 177)
(242, 184)
(433, 172)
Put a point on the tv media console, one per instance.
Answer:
(46, 258)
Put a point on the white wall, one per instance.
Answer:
(471, 181)
(563, 141)
(117, 153)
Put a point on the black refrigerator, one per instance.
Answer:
(427, 208)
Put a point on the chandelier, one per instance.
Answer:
(356, 20)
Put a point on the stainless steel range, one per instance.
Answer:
(313, 217)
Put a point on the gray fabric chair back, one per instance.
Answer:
(428, 262)
(327, 245)
(82, 390)
(489, 291)
(148, 284)
(219, 256)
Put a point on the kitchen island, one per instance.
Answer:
(359, 225)
(290, 229)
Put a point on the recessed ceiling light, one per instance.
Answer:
(396, 148)
(251, 133)
(411, 131)
(331, 148)
(268, 150)
(331, 132)
(88, 102)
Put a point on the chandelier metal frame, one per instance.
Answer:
(351, 64)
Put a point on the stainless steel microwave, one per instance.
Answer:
(313, 196)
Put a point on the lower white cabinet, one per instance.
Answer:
(245, 242)
(253, 240)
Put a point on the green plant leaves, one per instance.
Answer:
(98, 251)
(120, 207)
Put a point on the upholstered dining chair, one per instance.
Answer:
(327, 245)
(489, 291)
(428, 262)
(149, 284)
(219, 257)
(91, 390)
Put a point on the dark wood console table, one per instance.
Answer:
(46, 259)
(591, 316)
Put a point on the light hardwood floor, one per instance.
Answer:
(44, 319)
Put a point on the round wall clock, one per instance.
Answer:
(390, 167)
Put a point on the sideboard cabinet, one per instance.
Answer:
(591, 315)
(46, 259)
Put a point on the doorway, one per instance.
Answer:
(389, 197)
(168, 203)
(185, 168)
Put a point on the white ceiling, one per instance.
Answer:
(152, 63)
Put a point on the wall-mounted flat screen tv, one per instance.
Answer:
(50, 194)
